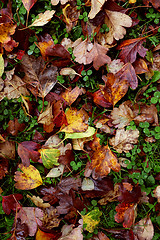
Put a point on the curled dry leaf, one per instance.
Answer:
(144, 229)
(28, 179)
(69, 71)
(43, 18)
(38, 201)
(124, 140)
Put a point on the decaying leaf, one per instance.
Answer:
(43, 18)
(28, 179)
(32, 217)
(144, 229)
(124, 140)
(49, 157)
(6, 30)
(38, 201)
(7, 149)
(91, 219)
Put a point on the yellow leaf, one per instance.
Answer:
(91, 219)
(132, 1)
(1, 65)
(28, 178)
(50, 157)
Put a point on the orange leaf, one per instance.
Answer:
(71, 95)
(6, 29)
(40, 235)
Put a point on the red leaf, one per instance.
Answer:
(99, 99)
(58, 51)
(10, 202)
(27, 150)
(129, 49)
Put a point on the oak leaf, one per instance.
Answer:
(114, 89)
(28, 179)
(32, 217)
(43, 18)
(95, 7)
(129, 49)
(122, 116)
(144, 229)
(28, 4)
(124, 140)
(116, 21)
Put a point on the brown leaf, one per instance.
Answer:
(98, 56)
(6, 29)
(71, 15)
(114, 89)
(99, 99)
(144, 229)
(140, 66)
(38, 201)
(124, 140)
(155, 3)
(7, 149)
(129, 49)
(70, 95)
(45, 43)
(69, 183)
(14, 127)
(4, 164)
(31, 216)
(50, 218)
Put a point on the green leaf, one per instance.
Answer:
(156, 76)
(91, 219)
(50, 157)
(88, 133)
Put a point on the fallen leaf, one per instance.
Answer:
(88, 133)
(69, 71)
(87, 184)
(45, 42)
(91, 219)
(95, 7)
(114, 89)
(155, 3)
(55, 2)
(144, 229)
(126, 213)
(6, 29)
(28, 179)
(38, 201)
(14, 127)
(56, 171)
(32, 217)
(71, 14)
(40, 235)
(7, 149)
(43, 18)
(122, 116)
(28, 150)
(46, 116)
(49, 157)
(115, 66)
(1, 65)
(77, 121)
(116, 21)
(70, 233)
(140, 66)
(156, 192)
(19, 231)
(99, 99)
(10, 202)
(129, 49)
(4, 165)
(28, 4)
(68, 183)
(124, 140)
(70, 95)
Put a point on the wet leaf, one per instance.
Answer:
(28, 179)
(10, 202)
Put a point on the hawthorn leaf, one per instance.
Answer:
(115, 88)
(129, 49)
(91, 219)
(98, 56)
(10, 202)
(38, 201)
(43, 18)
(144, 229)
(31, 216)
(28, 4)
(116, 21)
(1, 65)
(126, 213)
(56, 171)
(87, 184)
(88, 133)
(95, 7)
(28, 179)
(124, 140)
(28, 150)
(77, 121)
(122, 116)
(50, 157)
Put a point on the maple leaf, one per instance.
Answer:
(43, 18)
(28, 4)
(126, 213)
(91, 219)
(95, 7)
(124, 140)
(77, 121)
(10, 202)
(122, 116)
(129, 49)
(144, 229)
(98, 56)
(114, 89)
(116, 21)
(28, 150)
(31, 216)
(28, 179)
(103, 160)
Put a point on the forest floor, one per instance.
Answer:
(79, 113)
